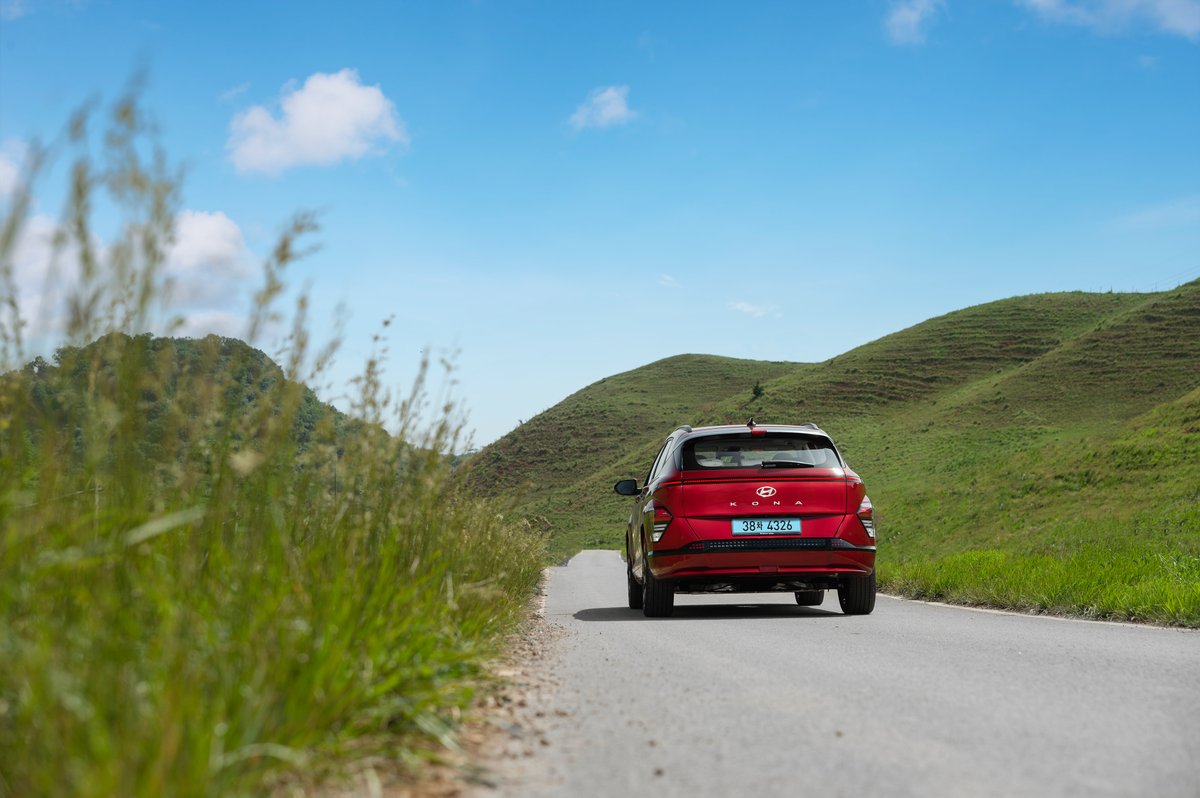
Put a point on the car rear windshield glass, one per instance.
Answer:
(767, 451)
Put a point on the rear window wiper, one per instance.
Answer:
(786, 464)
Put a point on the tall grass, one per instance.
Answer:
(194, 599)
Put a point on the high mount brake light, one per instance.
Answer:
(662, 520)
(866, 514)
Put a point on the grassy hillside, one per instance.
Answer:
(580, 439)
(599, 423)
(184, 394)
(1050, 438)
(920, 364)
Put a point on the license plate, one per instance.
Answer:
(766, 526)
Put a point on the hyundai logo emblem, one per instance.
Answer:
(766, 491)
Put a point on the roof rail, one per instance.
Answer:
(809, 425)
(684, 427)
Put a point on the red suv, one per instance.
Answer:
(747, 509)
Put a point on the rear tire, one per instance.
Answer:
(635, 589)
(810, 598)
(658, 597)
(856, 594)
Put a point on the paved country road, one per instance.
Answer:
(752, 695)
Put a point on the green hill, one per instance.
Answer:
(599, 424)
(173, 401)
(1040, 451)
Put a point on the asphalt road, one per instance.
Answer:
(752, 695)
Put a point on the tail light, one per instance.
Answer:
(662, 519)
(866, 514)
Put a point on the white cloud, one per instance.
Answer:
(233, 93)
(1178, 17)
(211, 322)
(12, 155)
(330, 118)
(1181, 212)
(908, 20)
(756, 311)
(45, 271)
(667, 281)
(13, 9)
(31, 259)
(209, 268)
(209, 261)
(9, 177)
(604, 107)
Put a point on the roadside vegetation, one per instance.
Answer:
(1039, 453)
(211, 583)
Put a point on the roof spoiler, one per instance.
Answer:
(752, 424)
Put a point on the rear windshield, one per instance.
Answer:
(742, 450)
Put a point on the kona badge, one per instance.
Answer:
(766, 491)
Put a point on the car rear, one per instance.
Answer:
(764, 508)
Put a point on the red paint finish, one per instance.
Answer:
(706, 481)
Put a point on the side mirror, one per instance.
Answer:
(627, 487)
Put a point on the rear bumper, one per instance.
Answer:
(762, 560)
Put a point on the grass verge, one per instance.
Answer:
(195, 599)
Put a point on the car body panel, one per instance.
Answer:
(698, 550)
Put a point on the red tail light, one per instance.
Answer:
(866, 514)
(662, 519)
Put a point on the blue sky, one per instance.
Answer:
(557, 192)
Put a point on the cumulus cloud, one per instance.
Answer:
(209, 269)
(908, 20)
(45, 280)
(756, 311)
(332, 117)
(209, 261)
(12, 154)
(39, 295)
(604, 107)
(1177, 17)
